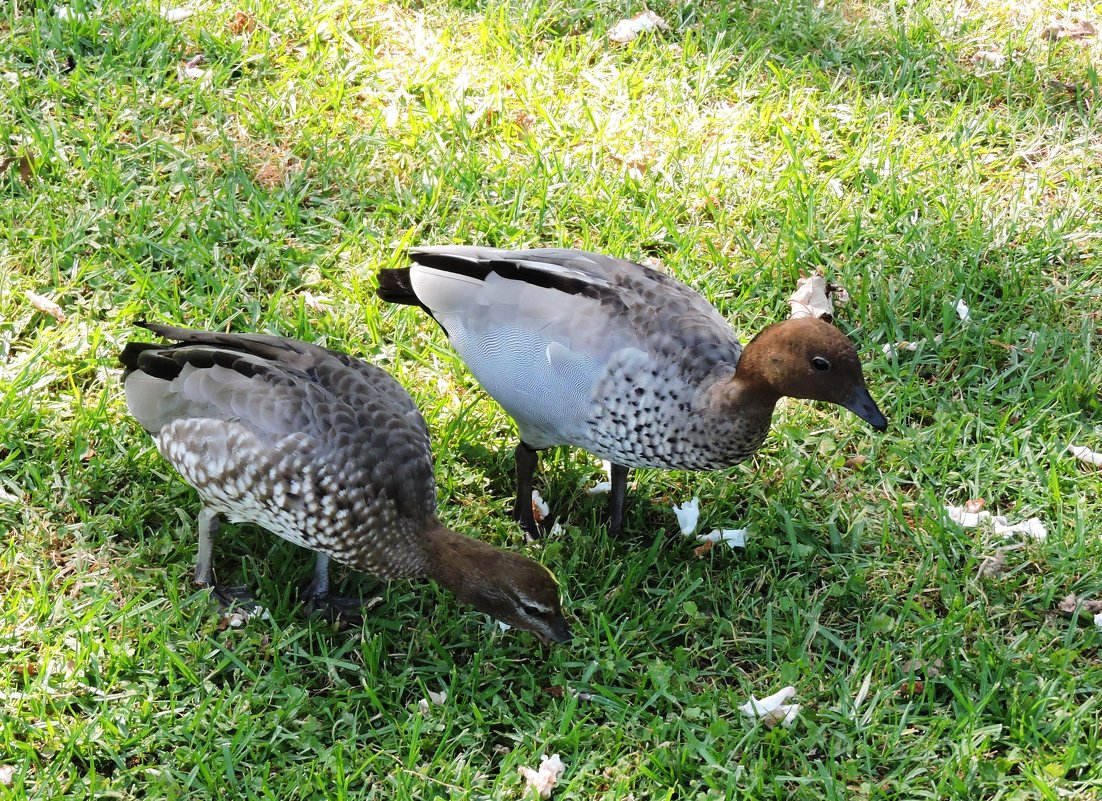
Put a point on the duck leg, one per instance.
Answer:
(331, 607)
(209, 525)
(619, 475)
(526, 459)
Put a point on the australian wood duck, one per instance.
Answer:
(327, 451)
(619, 359)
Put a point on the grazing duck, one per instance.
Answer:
(327, 451)
(619, 359)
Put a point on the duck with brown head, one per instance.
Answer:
(330, 453)
(619, 359)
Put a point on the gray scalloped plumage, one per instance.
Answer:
(619, 359)
(325, 450)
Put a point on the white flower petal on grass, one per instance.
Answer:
(773, 709)
(543, 780)
(732, 537)
(1086, 455)
(600, 487)
(66, 13)
(540, 509)
(968, 519)
(502, 625)
(628, 30)
(437, 698)
(1033, 528)
(45, 305)
(962, 310)
(811, 299)
(988, 58)
(176, 14)
(1098, 620)
(688, 514)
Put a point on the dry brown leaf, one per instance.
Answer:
(46, 306)
(25, 165)
(1072, 602)
(974, 505)
(993, 566)
(628, 30)
(242, 22)
(702, 550)
(1068, 29)
(853, 462)
(930, 670)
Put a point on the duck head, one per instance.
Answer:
(811, 359)
(510, 587)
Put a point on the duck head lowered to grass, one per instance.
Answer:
(620, 359)
(330, 453)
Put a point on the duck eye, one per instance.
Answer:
(819, 363)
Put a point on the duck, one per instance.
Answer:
(619, 359)
(328, 452)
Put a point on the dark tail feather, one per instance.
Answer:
(132, 353)
(395, 287)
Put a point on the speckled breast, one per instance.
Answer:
(644, 415)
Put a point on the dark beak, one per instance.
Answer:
(862, 405)
(560, 632)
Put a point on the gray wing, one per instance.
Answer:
(592, 304)
(346, 414)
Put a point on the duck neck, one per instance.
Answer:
(750, 392)
(458, 563)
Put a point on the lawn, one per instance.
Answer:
(252, 166)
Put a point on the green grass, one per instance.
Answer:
(754, 141)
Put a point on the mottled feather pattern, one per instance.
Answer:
(325, 450)
(634, 405)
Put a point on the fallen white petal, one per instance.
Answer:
(423, 706)
(543, 780)
(556, 529)
(66, 13)
(959, 515)
(503, 626)
(540, 504)
(962, 309)
(1085, 454)
(773, 709)
(732, 537)
(810, 299)
(1032, 528)
(176, 14)
(438, 698)
(891, 350)
(390, 116)
(688, 514)
(991, 58)
(1098, 620)
(627, 30)
(599, 487)
(45, 305)
(191, 73)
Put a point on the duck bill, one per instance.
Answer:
(862, 405)
(560, 633)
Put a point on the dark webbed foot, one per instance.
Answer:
(319, 601)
